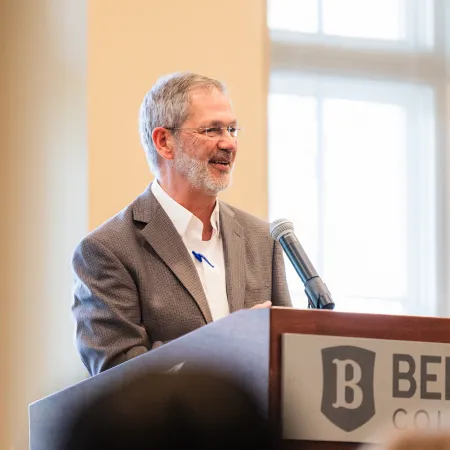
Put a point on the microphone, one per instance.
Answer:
(319, 297)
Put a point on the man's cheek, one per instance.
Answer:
(195, 140)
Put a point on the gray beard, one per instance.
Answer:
(197, 174)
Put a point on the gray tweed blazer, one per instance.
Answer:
(135, 282)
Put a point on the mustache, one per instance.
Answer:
(222, 156)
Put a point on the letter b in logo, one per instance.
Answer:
(348, 398)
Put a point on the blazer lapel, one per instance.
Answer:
(164, 239)
(234, 256)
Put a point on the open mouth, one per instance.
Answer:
(220, 163)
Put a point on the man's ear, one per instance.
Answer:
(164, 142)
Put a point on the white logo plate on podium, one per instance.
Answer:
(358, 390)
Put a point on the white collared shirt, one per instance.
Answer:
(190, 228)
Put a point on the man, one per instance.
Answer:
(176, 258)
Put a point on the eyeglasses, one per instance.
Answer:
(213, 132)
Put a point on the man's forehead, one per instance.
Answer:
(204, 102)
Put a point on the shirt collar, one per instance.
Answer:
(179, 215)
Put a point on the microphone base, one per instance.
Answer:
(328, 306)
(318, 294)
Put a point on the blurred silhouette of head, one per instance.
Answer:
(420, 440)
(171, 411)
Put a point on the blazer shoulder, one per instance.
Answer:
(248, 221)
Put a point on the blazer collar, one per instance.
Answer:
(161, 234)
(234, 255)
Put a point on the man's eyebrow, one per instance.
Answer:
(218, 123)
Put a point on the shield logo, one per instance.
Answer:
(347, 394)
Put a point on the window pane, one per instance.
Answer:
(293, 15)
(365, 199)
(376, 19)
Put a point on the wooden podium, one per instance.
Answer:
(246, 345)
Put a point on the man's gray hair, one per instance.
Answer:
(167, 104)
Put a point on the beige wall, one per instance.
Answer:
(130, 45)
(52, 132)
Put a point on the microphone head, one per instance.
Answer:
(281, 227)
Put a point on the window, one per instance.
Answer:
(355, 148)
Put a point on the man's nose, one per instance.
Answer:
(227, 141)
